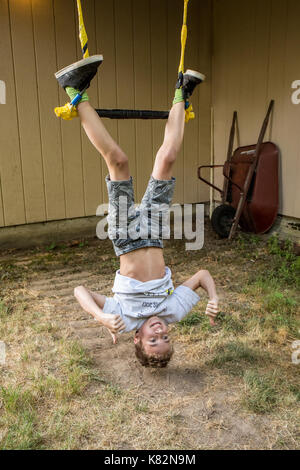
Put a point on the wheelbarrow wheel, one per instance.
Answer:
(222, 220)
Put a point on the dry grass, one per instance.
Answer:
(229, 387)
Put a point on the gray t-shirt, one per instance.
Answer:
(136, 301)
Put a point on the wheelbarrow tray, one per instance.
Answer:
(262, 203)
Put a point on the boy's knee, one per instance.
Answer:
(78, 290)
(118, 158)
(203, 272)
(169, 156)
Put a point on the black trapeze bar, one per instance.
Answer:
(132, 114)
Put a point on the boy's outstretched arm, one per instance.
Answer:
(93, 303)
(204, 279)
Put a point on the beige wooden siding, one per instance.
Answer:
(48, 168)
(256, 58)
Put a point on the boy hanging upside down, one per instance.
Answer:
(144, 297)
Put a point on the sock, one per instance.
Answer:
(72, 93)
(178, 96)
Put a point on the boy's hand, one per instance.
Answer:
(114, 337)
(212, 310)
(113, 322)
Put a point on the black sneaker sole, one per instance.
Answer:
(197, 75)
(81, 63)
(79, 74)
(191, 80)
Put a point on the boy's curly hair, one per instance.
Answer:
(157, 362)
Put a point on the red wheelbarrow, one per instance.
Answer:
(250, 194)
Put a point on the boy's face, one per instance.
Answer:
(154, 337)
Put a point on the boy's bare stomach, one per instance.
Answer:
(145, 264)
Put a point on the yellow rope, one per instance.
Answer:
(68, 112)
(82, 32)
(189, 113)
(183, 37)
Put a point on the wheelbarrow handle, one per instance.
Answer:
(208, 182)
(226, 174)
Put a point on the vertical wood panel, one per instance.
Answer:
(125, 78)
(291, 126)
(91, 160)
(28, 109)
(247, 86)
(219, 69)
(219, 80)
(66, 40)
(44, 36)
(1, 205)
(277, 72)
(175, 14)
(13, 210)
(191, 136)
(259, 61)
(107, 83)
(205, 92)
(259, 73)
(142, 75)
(233, 56)
(159, 68)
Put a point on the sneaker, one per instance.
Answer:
(79, 74)
(189, 82)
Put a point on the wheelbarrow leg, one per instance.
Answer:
(238, 215)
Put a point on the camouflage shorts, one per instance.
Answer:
(131, 228)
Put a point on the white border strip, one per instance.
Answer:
(2, 92)
(2, 353)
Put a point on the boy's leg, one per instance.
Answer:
(160, 189)
(119, 183)
(76, 78)
(174, 131)
(167, 153)
(116, 160)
